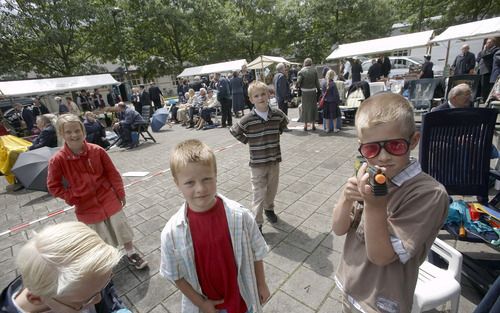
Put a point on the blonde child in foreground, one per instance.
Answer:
(211, 248)
(389, 237)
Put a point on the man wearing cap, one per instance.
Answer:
(464, 63)
(427, 71)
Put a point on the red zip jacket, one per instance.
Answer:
(92, 182)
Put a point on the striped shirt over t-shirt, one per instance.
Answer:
(262, 136)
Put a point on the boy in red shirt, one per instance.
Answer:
(211, 248)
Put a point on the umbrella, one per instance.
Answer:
(159, 119)
(31, 168)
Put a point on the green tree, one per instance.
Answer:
(48, 37)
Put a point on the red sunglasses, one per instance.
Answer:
(395, 147)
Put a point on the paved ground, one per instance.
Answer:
(304, 256)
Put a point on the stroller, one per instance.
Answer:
(356, 93)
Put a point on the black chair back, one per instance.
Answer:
(455, 148)
(471, 80)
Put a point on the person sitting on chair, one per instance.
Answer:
(209, 106)
(65, 268)
(48, 135)
(198, 104)
(95, 131)
(130, 118)
(458, 97)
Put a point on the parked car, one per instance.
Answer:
(401, 67)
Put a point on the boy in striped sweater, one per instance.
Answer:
(261, 129)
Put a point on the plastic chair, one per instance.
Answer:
(455, 149)
(436, 286)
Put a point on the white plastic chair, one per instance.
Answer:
(376, 87)
(436, 286)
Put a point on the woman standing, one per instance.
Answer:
(236, 84)
(331, 109)
(309, 85)
(356, 70)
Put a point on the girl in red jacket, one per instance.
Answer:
(93, 186)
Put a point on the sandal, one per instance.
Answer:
(136, 260)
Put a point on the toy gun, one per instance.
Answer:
(378, 180)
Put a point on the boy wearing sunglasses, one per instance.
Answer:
(388, 237)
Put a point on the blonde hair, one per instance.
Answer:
(191, 151)
(55, 260)
(47, 119)
(68, 118)
(330, 75)
(257, 86)
(384, 108)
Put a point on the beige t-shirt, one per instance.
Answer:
(416, 211)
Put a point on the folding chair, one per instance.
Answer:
(455, 149)
(142, 128)
(422, 93)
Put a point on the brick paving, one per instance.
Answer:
(304, 253)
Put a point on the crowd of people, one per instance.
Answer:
(220, 268)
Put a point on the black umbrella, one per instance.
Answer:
(31, 168)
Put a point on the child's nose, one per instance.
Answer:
(383, 155)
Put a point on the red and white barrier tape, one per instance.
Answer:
(55, 213)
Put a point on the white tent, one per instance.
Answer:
(473, 30)
(213, 68)
(265, 60)
(19, 88)
(382, 45)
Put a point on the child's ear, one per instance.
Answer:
(414, 140)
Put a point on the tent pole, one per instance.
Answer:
(447, 53)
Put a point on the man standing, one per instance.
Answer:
(347, 69)
(464, 63)
(224, 98)
(155, 94)
(281, 88)
(144, 98)
(386, 66)
(485, 60)
(38, 108)
(21, 120)
(83, 101)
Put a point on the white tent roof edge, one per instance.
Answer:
(265, 60)
(43, 86)
(382, 45)
(213, 68)
(473, 30)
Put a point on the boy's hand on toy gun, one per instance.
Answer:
(264, 293)
(366, 191)
(208, 305)
(351, 191)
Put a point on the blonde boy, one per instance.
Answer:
(211, 248)
(389, 237)
(261, 129)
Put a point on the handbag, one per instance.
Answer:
(321, 103)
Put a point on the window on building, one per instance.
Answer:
(400, 53)
(135, 79)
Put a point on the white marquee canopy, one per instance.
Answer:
(264, 61)
(382, 45)
(213, 68)
(19, 88)
(474, 30)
